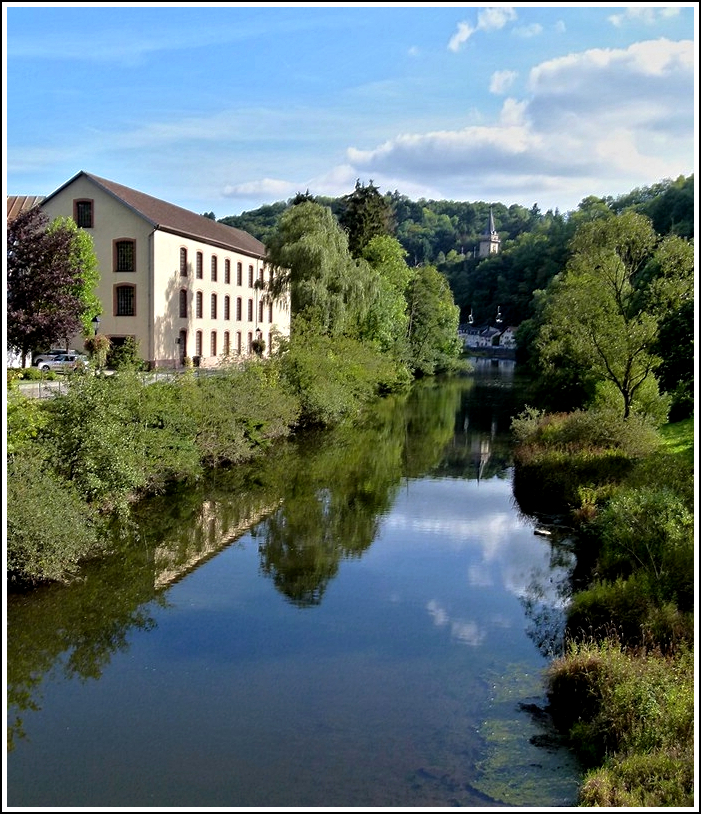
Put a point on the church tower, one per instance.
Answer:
(489, 239)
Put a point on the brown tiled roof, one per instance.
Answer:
(171, 218)
(20, 203)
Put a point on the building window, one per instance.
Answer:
(124, 255)
(214, 268)
(239, 274)
(213, 309)
(250, 276)
(270, 312)
(183, 303)
(238, 341)
(227, 343)
(125, 300)
(198, 269)
(198, 305)
(183, 262)
(213, 344)
(260, 312)
(249, 343)
(227, 307)
(227, 271)
(198, 343)
(261, 276)
(250, 310)
(238, 309)
(82, 214)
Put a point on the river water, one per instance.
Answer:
(360, 619)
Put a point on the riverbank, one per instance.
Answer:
(623, 693)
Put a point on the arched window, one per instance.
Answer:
(227, 343)
(250, 310)
(239, 274)
(183, 303)
(238, 342)
(198, 305)
(238, 309)
(227, 307)
(198, 266)
(213, 307)
(250, 276)
(227, 271)
(270, 312)
(183, 262)
(125, 300)
(198, 343)
(213, 343)
(214, 268)
(124, 255)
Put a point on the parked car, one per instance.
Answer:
(52, 354)
(65, 363)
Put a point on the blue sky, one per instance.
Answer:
(224, 107)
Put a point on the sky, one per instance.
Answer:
(225, 107)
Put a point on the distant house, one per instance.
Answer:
(508, 337)
(180, 284)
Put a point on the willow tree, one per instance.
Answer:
(310, 261)
(604, 312)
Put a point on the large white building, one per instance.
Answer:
(180, 284)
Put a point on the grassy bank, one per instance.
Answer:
(623, 692)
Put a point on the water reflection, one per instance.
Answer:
(409, 507)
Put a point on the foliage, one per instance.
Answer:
(386, 320)
(365, 214)
(310, 259)
(596, 316)
(45, 294)
(433, 324)
(98, 346)
(50, 529)
(25, 420)
(125, 356)
(332, 379)
(648, 530)
(82, 259)
(630, 717)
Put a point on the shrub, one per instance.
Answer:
(50, 529)
(613, 704)
(649, 531)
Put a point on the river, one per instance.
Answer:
(359, 619)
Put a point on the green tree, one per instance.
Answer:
(365, 214)
(309, 257)
(82, 259)
(50, 279)
(433, 323)
(597, 316)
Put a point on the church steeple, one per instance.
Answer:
(489, 240)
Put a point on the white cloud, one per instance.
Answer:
(494, 18)
(265, 187)
(528, 31)
(597, 122)
(648, 15)
(489, 19)
(501, 81)
(461, 36)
